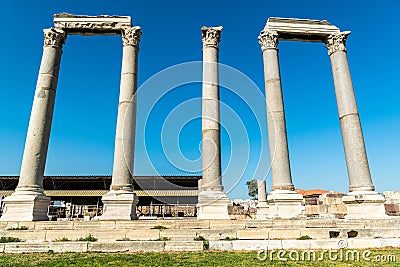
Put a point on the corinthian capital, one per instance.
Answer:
(336, 42)
(211, 36)
(268, 39)
(54, 37)
(131, 36)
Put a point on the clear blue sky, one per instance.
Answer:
(169, 126)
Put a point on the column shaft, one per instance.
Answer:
(37, 139)
(278, 145)
(211, 152)
(126, 122)
(353, 140)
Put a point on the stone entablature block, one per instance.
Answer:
(306, 30)
(91, 25)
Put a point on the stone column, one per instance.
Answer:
(262, 205)
(213, 202)
(120, 202)
(282, 194)
(362, 201)
(29, 202)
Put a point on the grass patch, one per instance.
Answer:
(159, 227)
(22, 227)
(304, 237)
(64, 239)
(9, 239)
(88, 238)
(164, 238)
(208, 258)
(206, 244)
(230, 238)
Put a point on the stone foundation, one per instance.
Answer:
(364, 205)
(285, 204)
(119, 205)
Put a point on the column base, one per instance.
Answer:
(26, 205)
(213, 205)
(262, 210)
(364, 205)
(285, 204)
(119, 205)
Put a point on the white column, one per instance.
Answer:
(362, 201)
(283, 202)
(213, 202)
(29, 203)
(262, 205)
(120, 202)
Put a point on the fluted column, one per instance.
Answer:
(353, 140)
(120, 202)
(212, 200)
(277, 137)
(29, 202)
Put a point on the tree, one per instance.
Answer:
(252, 188)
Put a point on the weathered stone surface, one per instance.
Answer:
(216, 234)
(301, 29)
(147, 246)
(227, 224)
(136, 234)
(253, 234)
(73, 235)
(183, 246)
(173, 234)
(91, 25)
(62, 247)
(284, 233)
(198, 224)
(120, 246)
(92, 225)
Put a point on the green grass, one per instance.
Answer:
(9, 239)
(212, 258)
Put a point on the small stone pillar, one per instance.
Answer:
(28, 202)
(362, 201)
(212, 201)
(120, 202)
(283, 201)
(262, 205)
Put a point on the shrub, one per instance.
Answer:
(304, 237)
(9, 239)
(88, 238)
(159, 227)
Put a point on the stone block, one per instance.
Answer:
(119, 205)
(2, 247)
(110, 236)
(183, 246)
(73, 235)
(296, 244)
(363, 243)
(213, 234)
(26, 248)
(315, 233)
(61, 247)
(325, 244)
(151, 234)
(90, 225)
(285, 204)
(227, 224)
(251, 245)
(289, 223)
(27, 235)
(146, 246)
(212, 204)
(268, 223)
(120, 246)
(58, 225)
(364, 205)
(253, 234)
(390, 242)
(181, 235)
(221, 245)
(284, 233)
(192, 224)
(14, 225)
(25, 205)
(318, 223)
